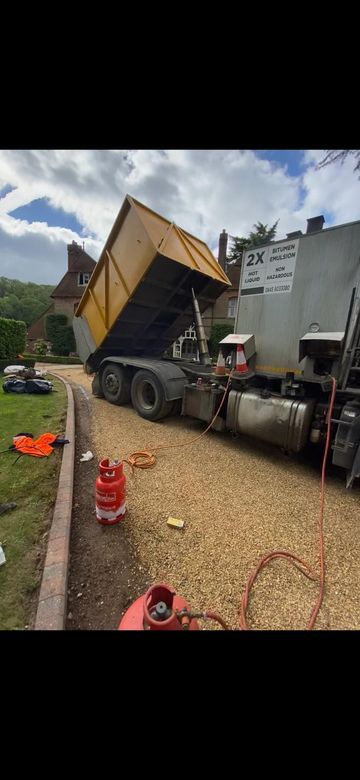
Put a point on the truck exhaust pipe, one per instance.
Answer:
(203, 348)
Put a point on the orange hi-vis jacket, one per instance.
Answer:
(40, 447)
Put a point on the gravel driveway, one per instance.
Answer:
(239, 500)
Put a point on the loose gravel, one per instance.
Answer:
(239, 500)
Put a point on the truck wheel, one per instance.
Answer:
(148, 398)
(115, 384)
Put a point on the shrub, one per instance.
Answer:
(218, 332)
(60, 334)
(66, 361)
(40, 347)
(12, 338)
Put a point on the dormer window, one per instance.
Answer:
(83, 280)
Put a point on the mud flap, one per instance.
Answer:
(96, 388)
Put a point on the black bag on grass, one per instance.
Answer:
(14, 386)
(34, 386)
(38, 386)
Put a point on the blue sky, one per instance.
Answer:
(293, 159)
(39, 210)
(5, 190)
(49, 198)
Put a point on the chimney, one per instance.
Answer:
(314, 224)
(73, 252)
(223, 239)
(295, 234)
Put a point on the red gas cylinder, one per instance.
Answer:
(110, 493)
(158, 610)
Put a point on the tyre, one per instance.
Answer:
(148, 397)
(115, 384)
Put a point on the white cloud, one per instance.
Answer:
(203, 191)
(335, 189)
(36, 252)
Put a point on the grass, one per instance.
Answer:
(32, 484)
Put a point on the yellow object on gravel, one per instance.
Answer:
(175, 523)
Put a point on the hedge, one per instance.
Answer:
(27, 362)
(60, 334)
(12, 338)
(67, 361)
(218, 332)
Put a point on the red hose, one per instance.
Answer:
(145, 459)
(304, 567)
(218, 618)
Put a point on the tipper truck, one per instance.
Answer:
(297, 325)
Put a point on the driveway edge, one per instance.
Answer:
(51, 611)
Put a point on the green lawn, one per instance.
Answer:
(32, 484)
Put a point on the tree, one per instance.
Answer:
(261, 235)
(23, 300)
(340, 155)
(31, 309)
(10, 307)
(238, 246)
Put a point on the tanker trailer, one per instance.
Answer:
(298, 315)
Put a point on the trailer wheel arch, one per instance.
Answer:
(170, 377)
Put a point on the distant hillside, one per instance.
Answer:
(23, 300)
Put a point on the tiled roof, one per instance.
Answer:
(69, 287)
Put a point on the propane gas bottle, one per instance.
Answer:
(110, 492)
(159, 609)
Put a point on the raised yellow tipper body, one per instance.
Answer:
(139, 298)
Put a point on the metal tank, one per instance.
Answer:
(295, 297)
(284, 422)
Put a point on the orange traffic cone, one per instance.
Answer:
(241, 365)
(220, 365)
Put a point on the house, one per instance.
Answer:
(223, 311)
(68, 292)
(186, 345)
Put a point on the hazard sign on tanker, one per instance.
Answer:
(269, 270)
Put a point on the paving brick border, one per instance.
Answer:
(51, 611)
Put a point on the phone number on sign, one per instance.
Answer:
(280, 288)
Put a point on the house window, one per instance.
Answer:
(83, 280)
(177, 349)
(232, 307)
(189, 348)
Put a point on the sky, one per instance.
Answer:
(49, 198)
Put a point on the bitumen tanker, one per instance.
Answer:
(297, 324)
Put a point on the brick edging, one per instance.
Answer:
(51, 611)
